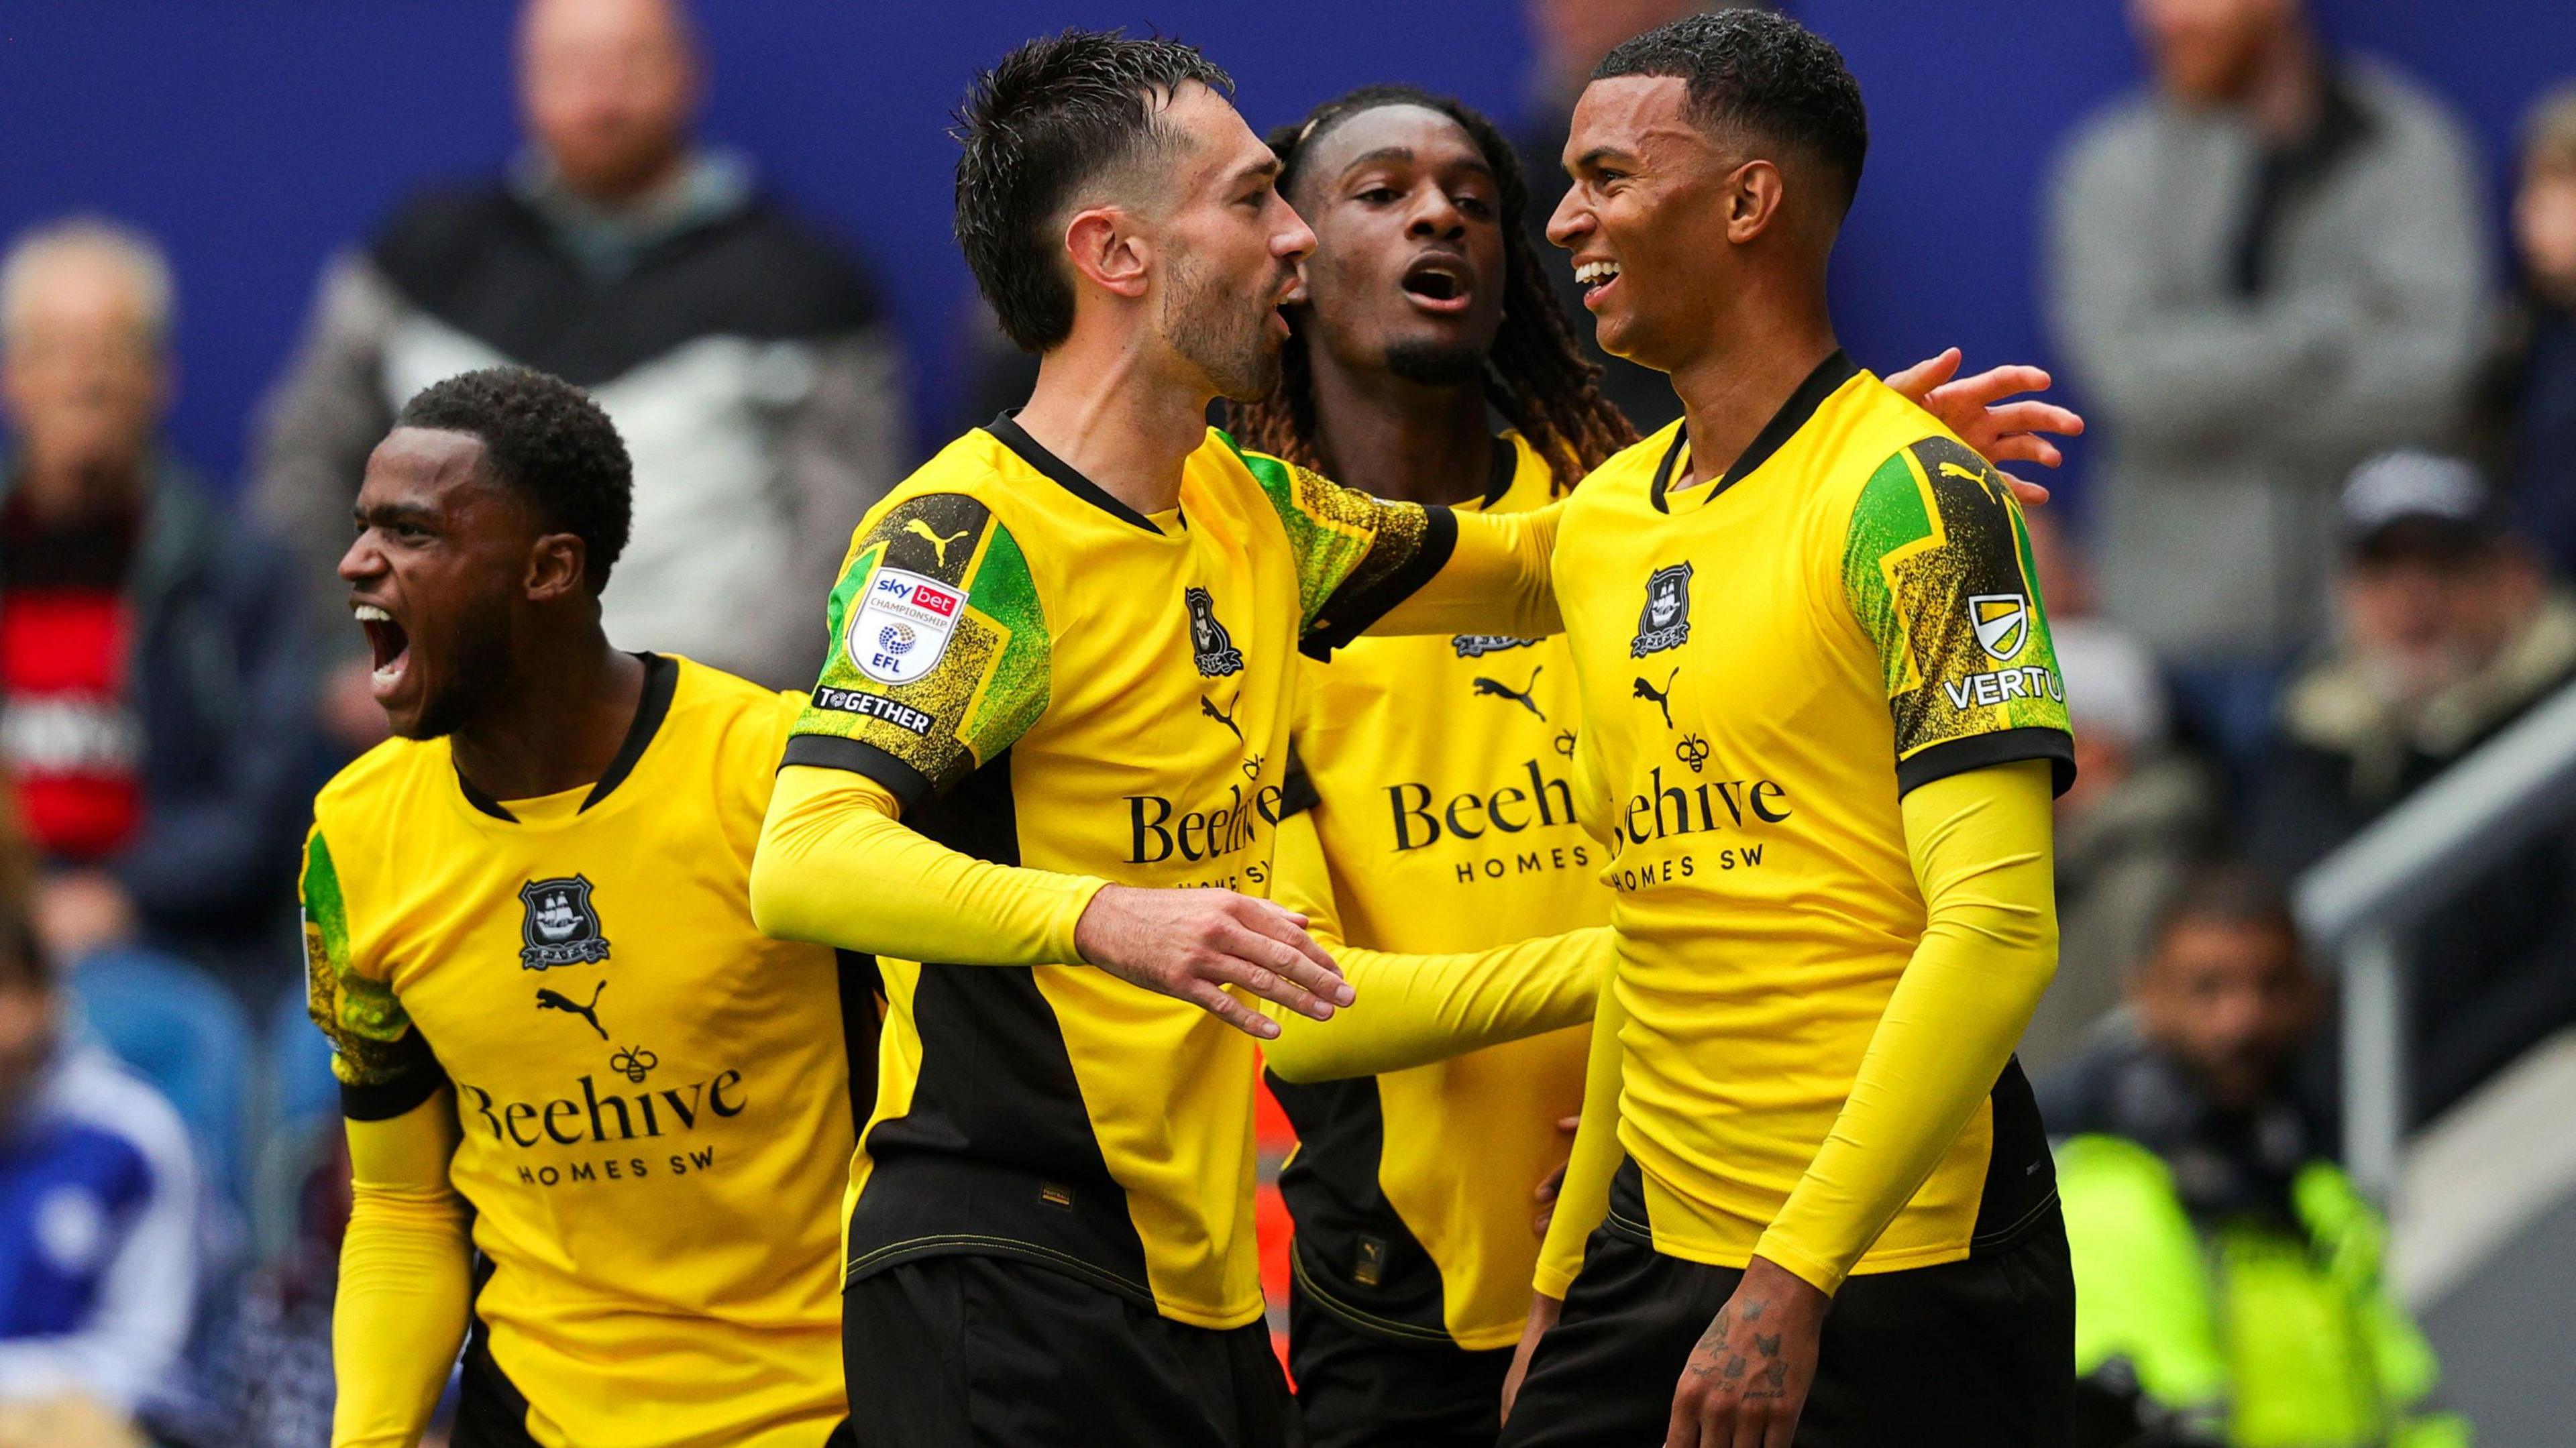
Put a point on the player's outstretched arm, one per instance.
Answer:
(1496, 580)
(1202, 945)
(1980, 844)
(1426, 1008)
(1420, 1008)
(1365, 565)
(406, 1264)
(828, 828)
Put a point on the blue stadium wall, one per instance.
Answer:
(255, 138)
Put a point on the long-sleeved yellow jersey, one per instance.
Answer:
(652, 1106)
(1437, 814)
(1046, 680)
(1768, 663)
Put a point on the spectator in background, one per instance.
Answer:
(2451, 629)
(2541, 427)
(2227, 1274)
(2140, 810)
(153, 679)
(98, 1216)
(2269, 267)
(743, 357)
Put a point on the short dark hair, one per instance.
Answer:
(1763, 73)
(546, 440)
(1054, 116)
(2227, 892)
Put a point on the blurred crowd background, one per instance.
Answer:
(2310, 269)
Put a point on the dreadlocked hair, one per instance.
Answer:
(1536, 375)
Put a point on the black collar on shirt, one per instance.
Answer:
(1830, 374)
(1015, 437)
(1501, 468)
(661, 679)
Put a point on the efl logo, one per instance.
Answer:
(904, 627)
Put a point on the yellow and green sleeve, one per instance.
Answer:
(1980, 846)
(383, 1066)
(835, 864)
(918, 705)
(1937, 571)
(1365, 565)
(405, 1259)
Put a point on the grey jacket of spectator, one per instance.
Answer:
(2229, 416)
(757, 386)
(223, 690)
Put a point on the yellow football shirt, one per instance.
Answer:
(1437, 777)
(1048, 679)
(654, 1099)
(1767, 662)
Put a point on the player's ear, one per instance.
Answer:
(1753, 195)
(1106, 250)
(557, 566)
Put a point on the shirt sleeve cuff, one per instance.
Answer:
(1078, 893)
(1980, 751)
(1553, 1279)
(1807, 1267)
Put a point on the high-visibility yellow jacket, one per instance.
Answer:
(2266, 1337)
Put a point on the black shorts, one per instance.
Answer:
(989, 1352)
(1978, 1353)
(1363, 1389)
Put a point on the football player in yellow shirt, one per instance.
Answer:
(1060, 689)
(598, 1123)
(1433, 808)
(1822, 727)
(1061, 686)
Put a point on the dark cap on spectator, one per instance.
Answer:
(2418, 504)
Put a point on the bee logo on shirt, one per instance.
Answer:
(2002, 621)
(1217, 655)
(1665, 623)
(561, 926)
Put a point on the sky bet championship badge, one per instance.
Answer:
(903, 626)
(1665, 623)
(561, 927)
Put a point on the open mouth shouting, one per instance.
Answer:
(390, 647)
(1597, 278)
(1439, 284)
(1291, 291)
